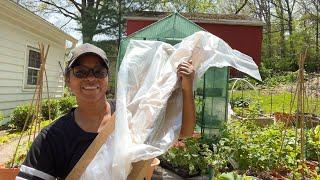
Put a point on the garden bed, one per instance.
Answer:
(245, 148)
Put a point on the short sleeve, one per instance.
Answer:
(39, 163)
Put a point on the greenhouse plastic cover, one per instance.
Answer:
(149, 99)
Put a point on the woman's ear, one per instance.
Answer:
(67, 81)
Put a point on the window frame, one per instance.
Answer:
(26, 86)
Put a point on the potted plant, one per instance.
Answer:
(8, 173)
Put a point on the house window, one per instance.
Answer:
(34, 63)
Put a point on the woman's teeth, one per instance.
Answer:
(90, 87)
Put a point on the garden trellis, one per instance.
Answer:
(34, 113)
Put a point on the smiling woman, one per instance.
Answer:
(59, 146)
(89, 79)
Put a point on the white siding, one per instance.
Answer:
(14, 43)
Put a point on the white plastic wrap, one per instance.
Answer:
(149, 99)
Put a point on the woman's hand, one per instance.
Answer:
(185, 71)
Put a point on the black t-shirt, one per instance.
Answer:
(57, 149)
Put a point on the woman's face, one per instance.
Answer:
(88, 89)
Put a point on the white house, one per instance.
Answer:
(20, 32)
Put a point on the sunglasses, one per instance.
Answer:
(83, 72)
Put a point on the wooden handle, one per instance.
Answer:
(139, 170)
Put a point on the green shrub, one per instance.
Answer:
(66, 103)
(265, 71)
(54, 109)
(1, 116)
(19, 115)
(283, 78)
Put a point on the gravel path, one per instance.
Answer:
(7, 149)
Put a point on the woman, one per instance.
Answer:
(59, 146)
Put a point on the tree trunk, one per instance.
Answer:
(290, 29)
(267, 16)
(264, 14)
(88, 22)
(119, 22)
(86, 37)
(282, 44)
(317, 34)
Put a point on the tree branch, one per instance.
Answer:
(273, 15)
(66, 23)
(97, 4)
(241, 7)
(77, 5)
(62, 10)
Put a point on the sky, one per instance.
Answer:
(59, 20)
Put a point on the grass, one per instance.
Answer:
(277, 101)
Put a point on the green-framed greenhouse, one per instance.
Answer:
(211, 92)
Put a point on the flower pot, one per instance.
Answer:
(150, 169)
(8, 173)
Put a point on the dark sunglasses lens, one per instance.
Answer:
(101, 73)
(81, 72)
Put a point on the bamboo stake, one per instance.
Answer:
(37, 99)
(301, 105)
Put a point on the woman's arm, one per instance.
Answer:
(186, 73)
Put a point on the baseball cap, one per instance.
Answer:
(86, 49)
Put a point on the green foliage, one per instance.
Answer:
(265, 72)
(240, 102)
(6, 138)
(19, 115)
(54, 109)
(232, 176)
(14, 134)
(66, 103)
(190, 155)
(66, 92)
(57, 106)
(313, 144)
(244, 146)
(252, 147)
(284, 78)
(191, 6)
(1, 116)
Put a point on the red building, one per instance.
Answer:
(241, 33)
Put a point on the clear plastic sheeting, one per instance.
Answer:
(149, 99)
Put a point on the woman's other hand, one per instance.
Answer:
(186, 72)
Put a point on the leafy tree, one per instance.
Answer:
(190, 6)
(94, 17)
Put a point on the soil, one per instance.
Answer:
(161, 173)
